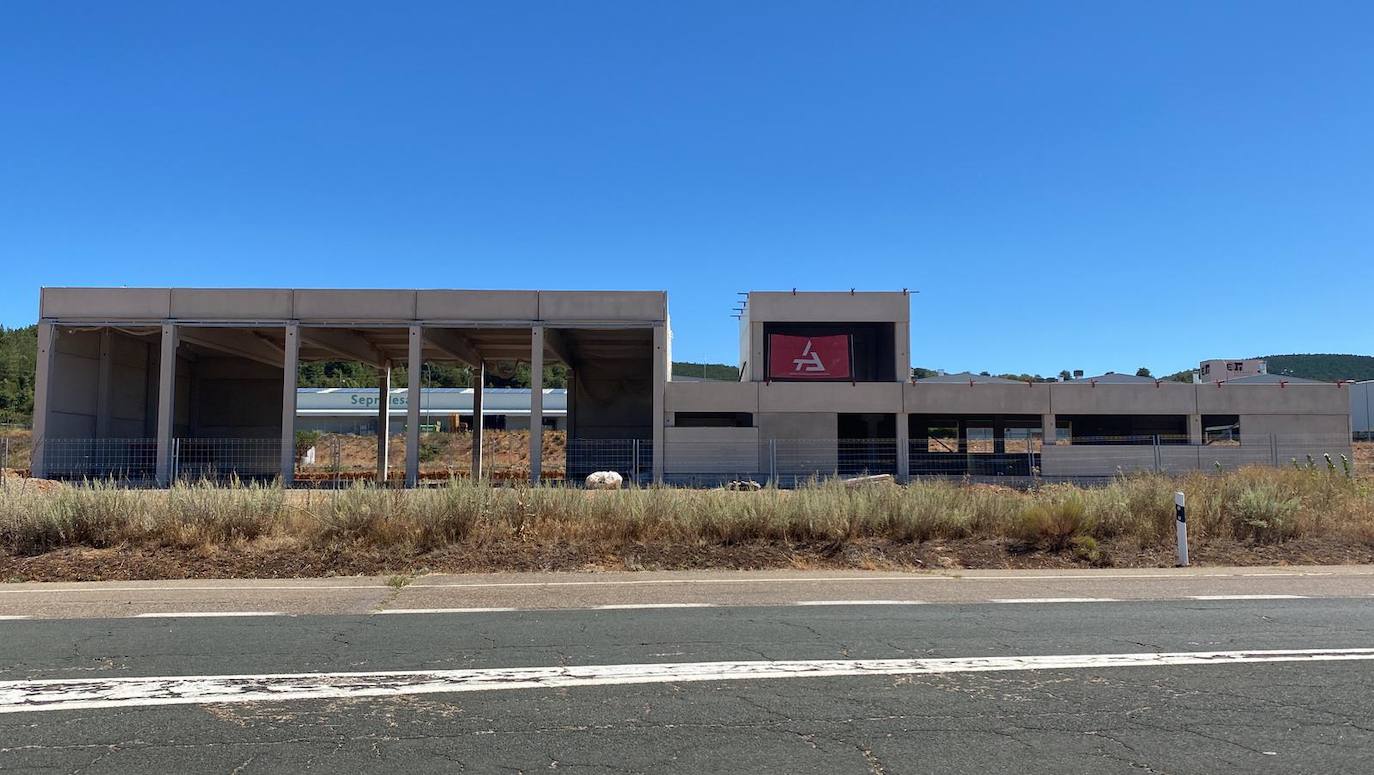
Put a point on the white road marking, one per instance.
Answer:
(82, 693)
(13, 618)
(445, 610)
(1054, 600)
(204, 614)
(629, 606)
(1248, 597)
(860, 602)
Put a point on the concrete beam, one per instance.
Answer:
(345, 344)
(454, 344)
(47, 339)
(903, 447)
(290, 364)
(383, 422)
(660, 356)
(233, 341)
(536, 403)
(479, 378)
(104, 405)
(557, 343)
(414, 364)
(166, 402)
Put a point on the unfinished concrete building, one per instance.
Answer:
(161, 383)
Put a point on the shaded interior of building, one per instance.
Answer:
(225, 402)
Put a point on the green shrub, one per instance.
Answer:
(1052, 524)
(1263, 513)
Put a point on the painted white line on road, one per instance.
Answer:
(630, 606)
(446, 610)
(31, 590)
(205, 614)
(1054, 600)
(83, 693)
(860, 602)
(7, 618)
(1248, 597)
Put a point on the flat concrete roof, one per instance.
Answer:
(353, 307)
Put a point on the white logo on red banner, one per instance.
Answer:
(808, 357)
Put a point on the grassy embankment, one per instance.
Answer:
(1249, 516)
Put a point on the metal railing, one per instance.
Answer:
(221, 460)
(126, 460)
(782, 462)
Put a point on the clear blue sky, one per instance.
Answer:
(1089, 185)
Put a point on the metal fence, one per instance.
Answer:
(224, 459)
(782, 462)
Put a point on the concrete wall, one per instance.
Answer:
(611, 403)
(234, 399)
(133, 388)
(808, 441)
(875, 397)
(74, 393)
(73, 396)
(948, 398)
(734, 451)
(711, 397)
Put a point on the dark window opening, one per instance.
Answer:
(1128, 428)
(873, 346)
(713, 420)
(1222, 429)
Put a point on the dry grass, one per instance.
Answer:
(1256, 507)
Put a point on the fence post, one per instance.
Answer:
(1159, 463)
(773, 461)
(1273, 448)
(173, 463)
(5, 464)
(1181, 527)
(634, 450)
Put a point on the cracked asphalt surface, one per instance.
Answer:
(1249, 718)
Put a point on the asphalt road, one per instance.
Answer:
(959, 686)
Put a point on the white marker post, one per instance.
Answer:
(1181, 523)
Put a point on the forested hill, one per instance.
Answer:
(18, 356)
(1323, 366)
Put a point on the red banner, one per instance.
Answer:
(808, 357)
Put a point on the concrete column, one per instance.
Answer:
(1048, 426)
(1195, 429)
(42, 389)
(104, 406)
(166, 403)
(479, 377)
(291, 353)
(383, 422)
(536, 403)
(660, 390)
(414, 363)
(903, 447)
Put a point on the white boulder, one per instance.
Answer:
(604, 480)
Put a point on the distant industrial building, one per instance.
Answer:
(153, 382)
(1362, 409)
(1221, 369)
(354, 410)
